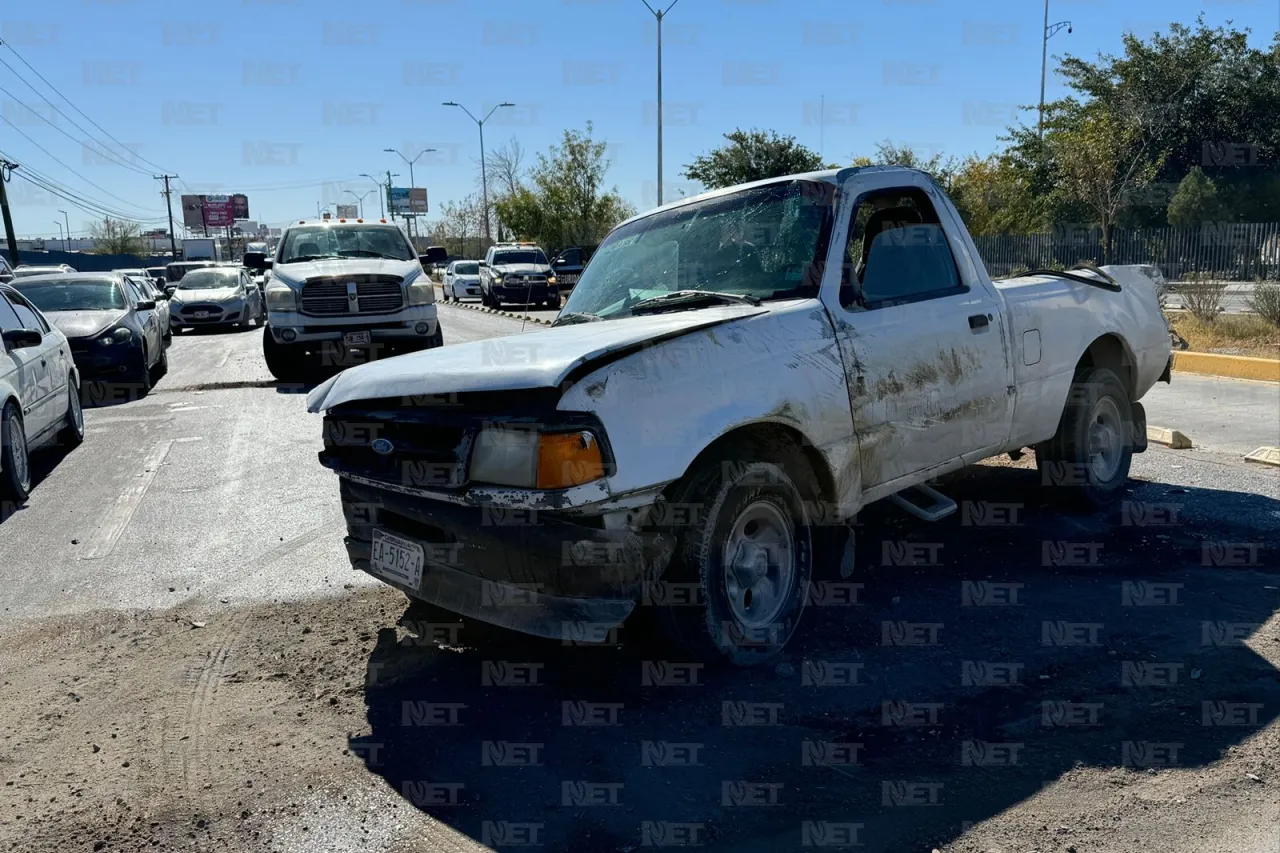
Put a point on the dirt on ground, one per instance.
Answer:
(971, 689)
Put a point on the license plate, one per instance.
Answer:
(396, 559)
(356, 338)
(200, 315)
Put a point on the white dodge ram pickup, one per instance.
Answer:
(344, 288)
(733, 377)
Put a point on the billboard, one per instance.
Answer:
(348, 211)
(213, 211)
(404, 200)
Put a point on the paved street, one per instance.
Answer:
(190, 663)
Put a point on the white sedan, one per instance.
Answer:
(462, 279)
(39, 392)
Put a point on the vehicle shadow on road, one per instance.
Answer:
(972, 662)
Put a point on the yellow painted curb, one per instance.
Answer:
(1231, 366)
(1265, 456)
(1170, 438)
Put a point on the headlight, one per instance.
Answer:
(119, 335)
(497, 279)
(527, 458)
(281, 297)
(420, 289)
(551, 279)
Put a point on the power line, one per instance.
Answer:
(84, 204)
(73, 106)
(62, 164)
(114, 158)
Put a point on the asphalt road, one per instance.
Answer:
(302, 707)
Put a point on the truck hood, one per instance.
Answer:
(522, 269)
(517, 362)
(84, 324)
(345, 266)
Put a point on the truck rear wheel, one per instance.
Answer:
(1087, 460)
(750, 555)
(285, 362)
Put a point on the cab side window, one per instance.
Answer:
(8, 317)
(897, 252)
(28, 317)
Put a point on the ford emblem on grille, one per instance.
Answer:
(382, 446)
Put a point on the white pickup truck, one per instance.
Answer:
(733, 377)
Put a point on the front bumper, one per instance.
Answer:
(97, 363)
(524, 293)
(397, 327)
(216, 313)
(540, 574)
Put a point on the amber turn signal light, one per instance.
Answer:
(568, 459)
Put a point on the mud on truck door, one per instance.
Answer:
(921, 331)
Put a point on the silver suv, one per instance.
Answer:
(344, 292)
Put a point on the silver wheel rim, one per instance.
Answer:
(1106, 439)
(759, 564)
(77, 414)
(18, 443)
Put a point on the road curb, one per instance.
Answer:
(1229, 366)
(470, 306)
(1265, 456)
(1170, 438)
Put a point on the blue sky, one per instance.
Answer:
(290, 100)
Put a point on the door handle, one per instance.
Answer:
(979, 321)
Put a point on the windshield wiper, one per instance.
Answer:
(304, 258)
(687, 298)
(576, 317)
(366, 253)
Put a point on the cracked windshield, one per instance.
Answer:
(605, 426)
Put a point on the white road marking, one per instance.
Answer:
(117, 517)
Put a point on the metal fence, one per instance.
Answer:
(1225, 251)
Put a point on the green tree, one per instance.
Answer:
(1195, 201)
(566, 203)
(117, 237)
(751, 156)
(888, 153)
(994, 196)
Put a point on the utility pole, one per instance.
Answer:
(1049, 32)
(168, 200)
(660, 15)
(6, 169)
(67, 220)
(484, 178)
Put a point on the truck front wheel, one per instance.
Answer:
(1087, 460)
(284, 361)
(749, 554)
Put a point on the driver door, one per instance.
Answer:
(40, 390)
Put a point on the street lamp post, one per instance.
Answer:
(382, 211)
(484, 178)
(659, 15)
(1049, 32)
(411, 181)
(360, 199)
(60, 234)
(66, 241)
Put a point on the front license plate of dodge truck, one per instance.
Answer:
(356, 338)
(396, 559)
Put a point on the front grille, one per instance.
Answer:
(329, 297)
(425, 455)
(190, 310)
(524, 279)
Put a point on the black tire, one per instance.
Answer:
(743, 478)
(139, 381)
(15, 460)
(285, 362)
(1076, 462)
(72, 432)
(437, 340)
(162, 366)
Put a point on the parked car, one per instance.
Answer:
(114, 332)
(517, 272)
(39, 392)
(149, 290)
(342, 289)
(706, 416)
(6, 271)
(568, 265)
(158, 276)
(218, 296)
(26, 270)
(461, 278)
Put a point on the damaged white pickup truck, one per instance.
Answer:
(733, 377)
